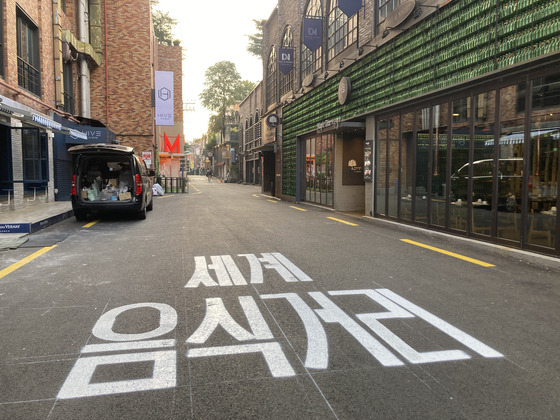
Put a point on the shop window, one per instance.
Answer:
(29, 76)
(272, 77)
(319, 169)
(287, 80)
(511, 152)
(543, 168)
(407, 168)
(311, 60)
(35, 157)
(438, 186)
(381, 173)
(393, 186)
(342, 32)
(460, 167)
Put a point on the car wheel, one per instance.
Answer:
(141, 214)
(151, 205)
(80, 215)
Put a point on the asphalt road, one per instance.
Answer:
(225, 303)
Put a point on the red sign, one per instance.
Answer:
(168, 147)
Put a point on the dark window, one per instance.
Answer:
(342, 32)
(68, 88)
(29, 76)
(35, 153)
(311, 60)
(384, 7)
(287, 81)
(272, 77)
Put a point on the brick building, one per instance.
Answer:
(74, 72)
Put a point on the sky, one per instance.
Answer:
(210, 32)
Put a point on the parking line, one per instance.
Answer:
(24, 261)
(451, 254)
(297, 208)
(90, 224)
(342, 221)
(272, 201)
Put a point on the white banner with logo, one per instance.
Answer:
(164, 98)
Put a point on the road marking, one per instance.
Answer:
(164, 196)
(342, 221)
(90, 224)
(297, 208)
(24, 261)
(272, 201)
(451, 254)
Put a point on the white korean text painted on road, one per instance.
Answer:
(383, 344)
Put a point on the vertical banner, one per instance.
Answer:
(312, 32)
(164, 98)
(350, 7)
(285, 60)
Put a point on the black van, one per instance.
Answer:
(110, 178)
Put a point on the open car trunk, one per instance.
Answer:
(106, 178)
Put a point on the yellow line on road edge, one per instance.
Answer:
(297, 208)
(451, 254)
(272, 201)
(90, 224)
(342, 221)
(24, 261)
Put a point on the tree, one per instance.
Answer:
(163, 26)
(223, 88)
(256, 43)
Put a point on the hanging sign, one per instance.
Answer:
(350, 7)
(164, 97)
(312, 32)
(285, 60)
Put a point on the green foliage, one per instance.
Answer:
(223, 88)
(256, 43)
(163, 26)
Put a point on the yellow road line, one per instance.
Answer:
(164, 196)
(342, 221)
(90, 224)
(24, 261)
(297, 208)
(272, 201)
(451, 254)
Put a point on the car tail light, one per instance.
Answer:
(74, 191)
(138, 184)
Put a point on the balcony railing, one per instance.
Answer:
(29, 77)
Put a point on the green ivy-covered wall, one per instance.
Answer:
(463, 40)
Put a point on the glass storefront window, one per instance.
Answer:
(319, 169)
(393, 166)
(407, 168)
(422, 168)
(483, 163)
(511, 150)
(438, 197)
(381, 173)
(543, 162)
(459, 181)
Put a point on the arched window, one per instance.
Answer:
(342, 32)
(271, 77)
(311, 60)
(385, 7)
(287, 81)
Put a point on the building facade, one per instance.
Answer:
(441, 114)
(72, 72)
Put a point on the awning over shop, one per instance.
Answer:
(519, 138)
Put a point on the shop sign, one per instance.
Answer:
(272, 120)
(147, 157)
(164, 97)
(344, 91)
(312, 32)
(328, 124)
(285, 60)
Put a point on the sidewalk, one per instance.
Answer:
(16, 224)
